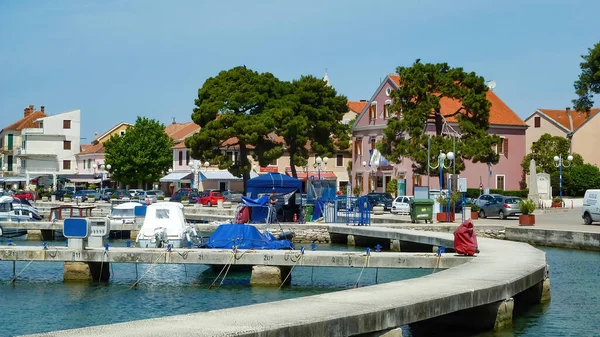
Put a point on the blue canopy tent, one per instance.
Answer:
(267, 184)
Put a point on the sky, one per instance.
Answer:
(116, 60)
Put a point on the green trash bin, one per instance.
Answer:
(421, 209)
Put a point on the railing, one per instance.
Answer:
(32, 131)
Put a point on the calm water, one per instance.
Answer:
(41, 302)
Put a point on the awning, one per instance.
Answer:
(12, 179)
(314, 175)
(342, 176)
(84, 180)
(218, 175)
(174, 177)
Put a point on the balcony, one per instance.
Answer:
(32, 131)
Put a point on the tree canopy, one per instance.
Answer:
(583, 177)
(544, 150)
(143, 154)
(417, 103)
(310, 115)
(229, 110)
(588, 82)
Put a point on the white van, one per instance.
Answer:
(591, 207)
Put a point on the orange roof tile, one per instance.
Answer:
(26, 122)
(179, 131)
(560, 116)
(91, 149)
(500, 113)
(357, 106)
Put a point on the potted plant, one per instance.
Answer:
(474, 212)
(113, 196)
(91, 198)
(444, 216)
(527, 218)
(557, 202)
(67, 197)
(357, 190)
(45, 197)
(185, 200)
(160, 198)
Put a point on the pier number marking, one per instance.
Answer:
(76, 255)
(201, 257)
(267, 258)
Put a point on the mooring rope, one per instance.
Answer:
(299, 258)
(368, 254)
(152, 266)
(212, 286)
(16, 276)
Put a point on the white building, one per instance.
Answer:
(50, 149)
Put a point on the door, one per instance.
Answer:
(223, 186)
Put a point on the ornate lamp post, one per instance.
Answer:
(560, 163)
(319, 162)
(102, 166)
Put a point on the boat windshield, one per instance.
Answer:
(162, 213)
(123, 212)
(6, 207)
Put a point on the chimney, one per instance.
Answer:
(363, 100)
(28, 111)
(42, 108)
(587, 113)
(568, 112)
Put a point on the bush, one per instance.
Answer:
(160, 197)
(67, 195)
(113, 196)
(526, 206)
(92, 186)
(475, 192)
(184, 198)
(137, 197)
(557, 199)
(474, 208)
(357, 190)
(583, 177)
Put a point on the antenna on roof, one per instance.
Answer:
(173, 120)
(491, 85)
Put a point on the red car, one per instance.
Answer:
(27, 195)
(210, 198)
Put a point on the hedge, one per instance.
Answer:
(474, 192)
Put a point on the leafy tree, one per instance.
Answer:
(142, 154)
(310, 115)
(583, 177)
(392, 187)
(588, 82)
(543, 152)
(230, 111)
(418, 104)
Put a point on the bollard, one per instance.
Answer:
(169, 247)
(571, 204)
(106, 247)
(128, 243)
(189, 244)
(313, 246)
(368, 251)
(378, 248)
(45, 245)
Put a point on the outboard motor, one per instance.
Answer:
(161, 238)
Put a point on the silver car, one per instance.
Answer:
(501, 207)
(151, 195)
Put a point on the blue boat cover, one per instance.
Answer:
(245, 237)
(262, 201)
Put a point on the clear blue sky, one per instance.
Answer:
(116, 60)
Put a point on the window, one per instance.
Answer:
(386, 111)
(66, 164)
(379, 181)
(339, 162)
(373, 110)
(180, 158)
(359, 180)
(500, 182)
(358, 147)
(89, 164)
(187, 158)
(502, 147)
(537, 121)
(9, 160)
(373, 141)
(41, 124)
(66, 145)
(122, 132)
(66, 124)
(273, 163)
(10, 142)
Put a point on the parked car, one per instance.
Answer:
(151, 195)
(378, 199)
(234, 196)
(81, 195)
(105, 193)
(191, 193)
(27, 195)
(60, 194)
(121, 195)
(591, 207)
(158, 193)
(460, 204)
(385, 195)
(209, 198)
(485, 198)
(401, 205)
(501, 207)
(135, 191)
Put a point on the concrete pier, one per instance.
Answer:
(270, 276)
(87, 271)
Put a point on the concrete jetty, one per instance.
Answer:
(503, 276)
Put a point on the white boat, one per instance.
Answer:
(123, 214)
(7, 213)
(165, 224)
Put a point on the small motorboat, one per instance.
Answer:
(124, 214)
(7, 213)
(24, 208)
(165, 225)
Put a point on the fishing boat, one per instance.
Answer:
(165, 225)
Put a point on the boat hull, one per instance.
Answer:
(151, 243)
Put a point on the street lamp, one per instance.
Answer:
(441, 163)
(559, 162)
(319, 162)
(194, 168)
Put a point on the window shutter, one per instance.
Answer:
(506, 147)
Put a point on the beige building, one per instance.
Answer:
(581, 128)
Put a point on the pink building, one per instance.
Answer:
(368, 129)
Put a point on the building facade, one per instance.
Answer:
(368, 130)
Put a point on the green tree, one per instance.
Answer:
(543, 152)
(583, 177)
(143, 154)
(392, 187)
(418, 104)
(310, 115)
(588, 82)
(230, 111)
